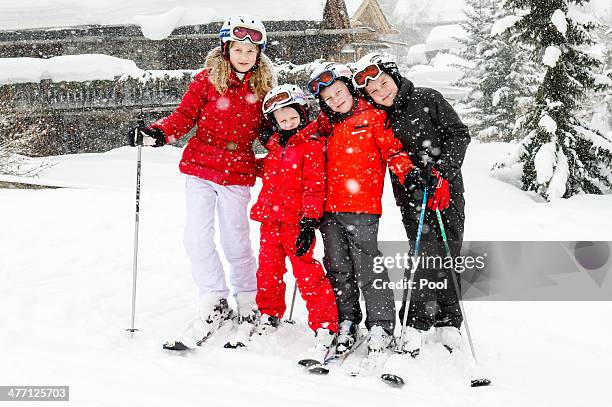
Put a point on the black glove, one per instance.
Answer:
(419, 179)
(146, 136)
(307, 236)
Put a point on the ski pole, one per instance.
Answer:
(138, 138)
(475, 382)
(290, 320)
(417, 248)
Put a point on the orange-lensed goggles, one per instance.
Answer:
(322, 80)
(371, 72)
(276, 100)
(243, 32)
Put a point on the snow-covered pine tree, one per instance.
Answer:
(559, 156)
(501, 77)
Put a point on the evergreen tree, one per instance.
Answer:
(501, 77)
(559, 155)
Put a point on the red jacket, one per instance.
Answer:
(293, 178)
(221, 149)
(358, 151)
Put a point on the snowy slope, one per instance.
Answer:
(65, 292)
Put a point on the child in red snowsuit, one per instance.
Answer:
(288, 207)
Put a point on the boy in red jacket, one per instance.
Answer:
(359, 149)
(289, 206)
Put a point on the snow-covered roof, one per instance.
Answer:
(427, 12)
(445, 37)
(78, 68)
(25, 14)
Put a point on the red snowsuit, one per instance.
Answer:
(293, 188)
(221, 150)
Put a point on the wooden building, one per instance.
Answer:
(95, 115)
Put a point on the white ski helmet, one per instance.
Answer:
(282, 96)
(371, 66)
(326, 74)
(241, 28)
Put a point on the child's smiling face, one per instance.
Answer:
(382, 90)
(338, 97)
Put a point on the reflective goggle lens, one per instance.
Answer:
(243, 32)
(370, 72)
(275, 100)
(325, 78)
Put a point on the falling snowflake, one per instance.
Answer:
(353, 186)
(223, 103)
(251, 98)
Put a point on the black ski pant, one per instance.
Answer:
(432, 307)
(351, 245)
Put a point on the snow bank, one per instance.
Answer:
(551, 56)
(416, 55)
(445, 37)
(439, 78)
(503, 24)
(74, 68)
(559, 21)
(444, 60)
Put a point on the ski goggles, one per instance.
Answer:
(322, 80)
(276, 100)
(241, 33)
(370, 72)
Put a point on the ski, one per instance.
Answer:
(372, 362)
(181, 345)
(390, 372)
(242, 337)
(316, 367)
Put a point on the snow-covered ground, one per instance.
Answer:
(65, 295)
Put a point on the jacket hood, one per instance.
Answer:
(404, 93)
(260, 80)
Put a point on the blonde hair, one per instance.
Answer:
(219, 68)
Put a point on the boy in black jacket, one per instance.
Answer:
(434, 136)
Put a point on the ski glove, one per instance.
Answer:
(148, 137)
(417, 179)
(441, 192)
(306, 237)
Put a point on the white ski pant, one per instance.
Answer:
(230, 202)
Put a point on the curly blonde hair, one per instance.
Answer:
(219, 69)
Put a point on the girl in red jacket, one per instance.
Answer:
(224, 101)
(289, 206)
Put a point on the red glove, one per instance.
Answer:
(441, 195)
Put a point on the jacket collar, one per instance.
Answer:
(235, 81)
(403, 94)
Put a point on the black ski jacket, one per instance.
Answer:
(423, 120)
